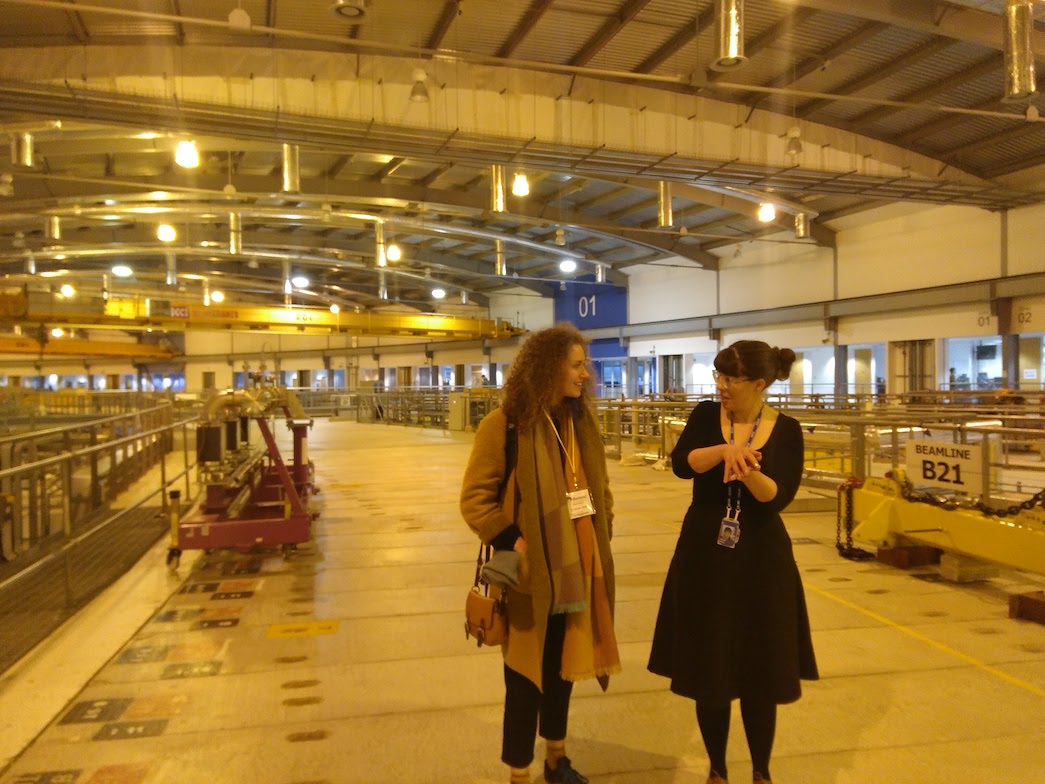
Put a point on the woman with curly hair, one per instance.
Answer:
(551, 504)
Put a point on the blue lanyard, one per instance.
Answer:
(733, 503)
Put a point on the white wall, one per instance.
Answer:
(1026, 235)
(524, 308)
(776, 275)
(672, 289)
(919, 250)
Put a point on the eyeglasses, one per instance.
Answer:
(728, 381)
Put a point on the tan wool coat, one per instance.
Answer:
(530, 603)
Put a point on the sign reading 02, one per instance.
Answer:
(589, 305)
(957, 467)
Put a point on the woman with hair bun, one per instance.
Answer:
(732, 622)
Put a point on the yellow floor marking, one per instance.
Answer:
(278, 631)
(929, 641)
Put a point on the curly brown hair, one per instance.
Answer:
(534, 381)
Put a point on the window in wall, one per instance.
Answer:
(209, 379)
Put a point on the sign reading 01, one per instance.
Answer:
(589, 305)
(957, 467)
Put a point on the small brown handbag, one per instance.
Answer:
(485, 617)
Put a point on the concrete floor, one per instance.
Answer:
(348, 662)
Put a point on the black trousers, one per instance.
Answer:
(524, 703)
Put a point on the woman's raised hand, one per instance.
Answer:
(739, 461)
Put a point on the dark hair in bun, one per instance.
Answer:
(755, 359)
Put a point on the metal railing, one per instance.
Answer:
(78, 505)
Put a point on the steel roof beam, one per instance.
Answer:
(609, 29)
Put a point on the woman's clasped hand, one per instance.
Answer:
(740, 461)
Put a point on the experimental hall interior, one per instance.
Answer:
(266, 265)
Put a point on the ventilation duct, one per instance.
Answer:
(497, 203)
(235, 234)
(1019, 57)
(665, 218)
(729, 24)
(291, 169)
(22, 150)
(500, 267)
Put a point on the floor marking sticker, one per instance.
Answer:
(279, 631)
(128, 730)
(96, 710)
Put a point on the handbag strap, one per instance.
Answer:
(479, 562)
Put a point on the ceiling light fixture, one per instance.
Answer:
(187, 155)
(239, 20)
(122, 271)
(766, 212)
(299, 281)
(438, 293)
(419, 92)
(335, 308)
(67, 291)
(568, 265)
(349, 9)
(794, 140)
(520, 185)
(166, 233)
(57, 332)
(217, 296)
(394, 253)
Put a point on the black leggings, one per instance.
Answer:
(759, 725)
(524, 702)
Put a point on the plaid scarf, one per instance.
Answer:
(575, 565)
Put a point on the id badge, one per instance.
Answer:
(729, 533)
(580, 503)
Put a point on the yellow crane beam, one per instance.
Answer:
(74, 347)
(143, 313)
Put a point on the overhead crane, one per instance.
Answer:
(142, 313)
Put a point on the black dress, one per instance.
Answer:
(733, 622)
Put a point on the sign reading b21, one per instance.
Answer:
(588, 305)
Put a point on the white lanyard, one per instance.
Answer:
(569, 454)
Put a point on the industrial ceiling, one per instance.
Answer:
(329, 131)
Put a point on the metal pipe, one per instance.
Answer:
(380, 251)
(801, 226)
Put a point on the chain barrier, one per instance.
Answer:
(923, 497)
(848, 550)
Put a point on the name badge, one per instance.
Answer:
(729, 533)
(580, 503)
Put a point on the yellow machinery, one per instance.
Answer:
(888, 512)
